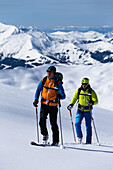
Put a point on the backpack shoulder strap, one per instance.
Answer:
(79, 92)
(44, 80)
(89, 90)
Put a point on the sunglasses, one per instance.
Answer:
(49, 71)
(84, 84)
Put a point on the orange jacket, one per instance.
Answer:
(49, 93)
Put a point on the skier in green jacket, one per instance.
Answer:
(86, 98)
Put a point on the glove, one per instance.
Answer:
(35, 103)
(58, 96)
(70, 107)
(90, 102)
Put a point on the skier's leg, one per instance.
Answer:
(53, 111)
(88, 118)
(79, 117)
(43, 117)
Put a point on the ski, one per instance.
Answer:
(38, 144)
(82, 144)
(43, 145)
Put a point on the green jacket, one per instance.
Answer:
(83, 97)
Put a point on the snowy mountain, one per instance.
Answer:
(103, 29)
(29, 47)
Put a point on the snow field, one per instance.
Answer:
(18, 124)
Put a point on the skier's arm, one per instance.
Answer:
(61, 91)
(38, 90)
(94, 97)
(75, 97)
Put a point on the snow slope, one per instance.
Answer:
(18, 125)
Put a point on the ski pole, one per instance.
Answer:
(95, 131)
(59, 105)
(72, 126)
(37, 125)
(94, 128)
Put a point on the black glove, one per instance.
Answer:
(70, 107)
(90, 102)
(35, 103)
(58, 96)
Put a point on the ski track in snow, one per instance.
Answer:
(18, 124)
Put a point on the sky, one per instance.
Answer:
(51, 13)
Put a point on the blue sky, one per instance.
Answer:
(50, 13)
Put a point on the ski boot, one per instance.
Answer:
(45, 139)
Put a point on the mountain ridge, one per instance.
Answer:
(30, 47)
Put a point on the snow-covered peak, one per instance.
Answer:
(30, 47)
(7, 30)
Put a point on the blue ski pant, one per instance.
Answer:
(88, 118)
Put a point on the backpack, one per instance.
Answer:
(60, 75)
(89, 92)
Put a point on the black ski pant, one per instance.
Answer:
(52, 111)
